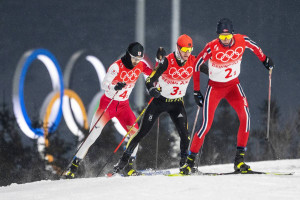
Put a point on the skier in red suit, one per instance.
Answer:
(118, 84)
(224, 56)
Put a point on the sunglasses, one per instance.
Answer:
(223, 37)
(136, 58)
(185, 49)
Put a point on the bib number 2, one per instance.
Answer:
(229, 73)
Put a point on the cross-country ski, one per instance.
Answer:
(233, 173)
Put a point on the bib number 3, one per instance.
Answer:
(175, 91)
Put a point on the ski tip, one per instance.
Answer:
(109, 174)
(280, 173)
(177, 174)
(234, 173)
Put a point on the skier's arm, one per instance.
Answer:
(112, 72)
(146, 68)
(202, 57)
(267, 61)
(250, 44)
(156, 73)
(203, 67)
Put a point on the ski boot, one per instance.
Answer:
(239, 165)
(182, 159)
(129, 169)
(121, 164)
(70, 174)
(186, 169)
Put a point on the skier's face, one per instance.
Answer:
(225, 38)
(185, 52)
(135, 59)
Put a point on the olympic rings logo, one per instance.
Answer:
(181, 73)
(131, 75)
(230, 54)
(62, 101)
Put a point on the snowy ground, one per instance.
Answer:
(231, 187)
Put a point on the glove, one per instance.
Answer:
(119, 86)
(268, 63)
(160, 54)
(154, 92)
(198, 98)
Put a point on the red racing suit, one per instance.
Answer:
(224, 68)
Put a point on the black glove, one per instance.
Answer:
(268, 63)
(198, 98)
(119, 86)
(160, 54)
(154, 92)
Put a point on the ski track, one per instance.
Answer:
(231, 187)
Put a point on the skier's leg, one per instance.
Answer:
(148, 120)
(92, 137)
(127, 118)
(87, 143)
(179, 118)
(237, 99)
(211, 101)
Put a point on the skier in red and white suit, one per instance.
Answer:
(118, 84)
(225, 56)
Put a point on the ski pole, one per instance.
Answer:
(90, 131)
(194, 126)
(109, 158)
(269, 117)
(193, 133)
(157, 135)
(269, 105)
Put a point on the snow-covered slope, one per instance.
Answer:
(161, 187)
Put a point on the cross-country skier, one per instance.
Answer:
(225, 56)
(118, 84)
(172, 76)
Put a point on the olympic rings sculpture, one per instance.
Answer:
(61, 101)
(18, 90)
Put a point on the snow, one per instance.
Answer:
(231, 187)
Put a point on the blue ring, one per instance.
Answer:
(33, 56)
